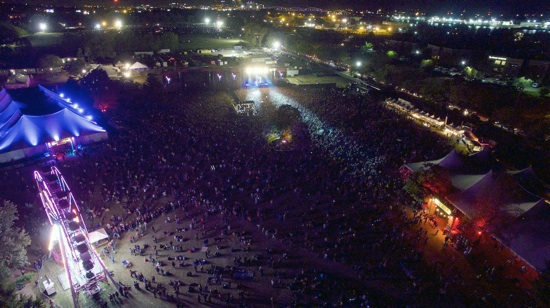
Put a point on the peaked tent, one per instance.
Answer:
(528, 236)
(138, 67)
(25, 129)
(457, 163)
(97, 236)
(492, 192)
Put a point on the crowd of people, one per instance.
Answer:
(332, 204)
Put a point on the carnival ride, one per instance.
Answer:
(82, 264)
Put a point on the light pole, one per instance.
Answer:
(358, 65)
(43, 26)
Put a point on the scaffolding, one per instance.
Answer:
(83, 266)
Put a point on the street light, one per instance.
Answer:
(463, 62)
(207, 20)
(42, 26)
(276, 45)
(358, 63)
(118, 24)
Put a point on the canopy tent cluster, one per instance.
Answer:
(519, 196)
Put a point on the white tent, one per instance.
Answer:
(138, 67)
(97, 236)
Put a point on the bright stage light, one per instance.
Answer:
(54, 236)
(257, 70)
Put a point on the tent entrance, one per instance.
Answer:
(62, 147)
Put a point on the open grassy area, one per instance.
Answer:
(186, 41)
(45, 39)
(202, 41)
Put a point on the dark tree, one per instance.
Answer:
(13, 251)
(49, 61)
(286, 116)
(431, 179)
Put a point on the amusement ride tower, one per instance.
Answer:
(82, 264)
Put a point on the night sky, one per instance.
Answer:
(472, 6)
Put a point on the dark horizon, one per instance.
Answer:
(494, 7)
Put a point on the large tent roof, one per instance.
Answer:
(456, 163)
(516, 195)
(528, 236)
(529, 180)
(492, 190)
(30, 123)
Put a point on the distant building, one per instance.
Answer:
(505, 67)
(402, 46)
(538, 71)
(452, 56)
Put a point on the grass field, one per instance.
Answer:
(186, 41)
(45, 39)
(202, 41)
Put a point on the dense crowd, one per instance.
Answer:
(334, 197)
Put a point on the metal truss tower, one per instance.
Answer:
(82, 263)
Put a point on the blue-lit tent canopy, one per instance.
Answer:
(44, 117)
